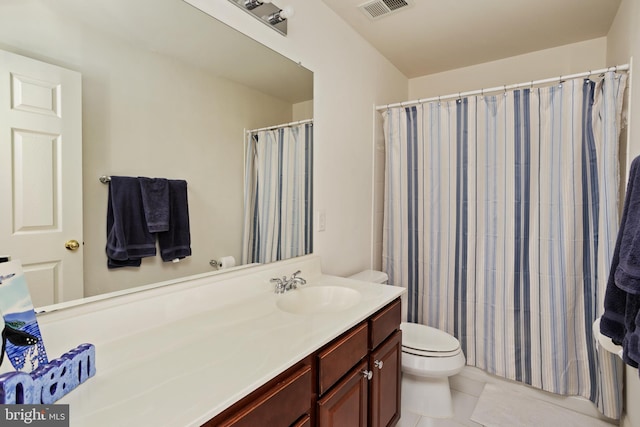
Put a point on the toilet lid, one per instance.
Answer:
(422, 338)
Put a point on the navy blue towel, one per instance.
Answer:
(128, 237)
(621, 320)
(175, 243)
(155, 200)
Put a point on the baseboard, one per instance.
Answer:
(472, 380)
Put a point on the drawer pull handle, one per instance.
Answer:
(367, 374)
(378, 364)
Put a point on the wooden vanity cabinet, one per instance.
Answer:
(368, 358)
(353, 381)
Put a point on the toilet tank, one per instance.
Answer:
(371, 276)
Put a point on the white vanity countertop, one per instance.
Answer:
(186, 371)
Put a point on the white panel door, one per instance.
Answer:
(41, 175)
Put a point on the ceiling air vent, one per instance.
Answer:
(376, 9)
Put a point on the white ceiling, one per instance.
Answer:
(431, 36)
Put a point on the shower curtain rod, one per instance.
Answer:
(559, 79)
(300, 122)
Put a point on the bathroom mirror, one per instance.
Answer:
(167, 91)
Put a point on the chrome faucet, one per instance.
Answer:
(283, 284)
(295, 281)
(280, 284)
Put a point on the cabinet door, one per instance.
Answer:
(346, 403)
(384, 401)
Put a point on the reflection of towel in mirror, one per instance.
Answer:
(621, 319)
(175, 243)
(128, 237)
(155, 200)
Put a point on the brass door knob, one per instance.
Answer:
(72, 245)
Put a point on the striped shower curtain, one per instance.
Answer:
(278, 194)
(501, 219)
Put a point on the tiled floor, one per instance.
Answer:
(464, 405)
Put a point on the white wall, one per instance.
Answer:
(623, 43)
(302, 111)
(350, 78)
(563, 60)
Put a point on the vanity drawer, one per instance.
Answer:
(280, 403)
(341, 355)
(384, 323)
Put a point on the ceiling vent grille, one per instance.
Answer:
(376, 9)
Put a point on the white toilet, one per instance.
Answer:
(429, 357)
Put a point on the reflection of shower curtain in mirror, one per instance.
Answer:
(278, 194)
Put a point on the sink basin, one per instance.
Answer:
(318, 299)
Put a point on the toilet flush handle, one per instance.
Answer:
(378, 364)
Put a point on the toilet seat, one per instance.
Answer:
(422, 340)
